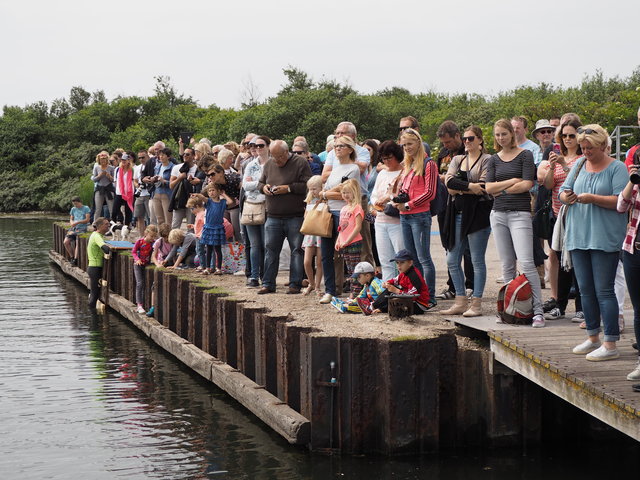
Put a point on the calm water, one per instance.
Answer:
(87, 397)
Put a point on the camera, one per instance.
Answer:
(184, 168)
(635, 177)
(402, 197)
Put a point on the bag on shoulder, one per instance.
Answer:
(253, 213)
(515, 302)
(439, 203)
(318, 221)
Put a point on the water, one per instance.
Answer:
(87, 397)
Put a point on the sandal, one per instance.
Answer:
(308, 290)
(206, 271)
(217, 272)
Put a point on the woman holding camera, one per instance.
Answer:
(510, 175)
(418, 187)
(467, 220)
(594, 233)
(104, 192)
(342, 171)
(629, 201)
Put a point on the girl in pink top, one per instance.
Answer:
(196, 204)
(349, 240)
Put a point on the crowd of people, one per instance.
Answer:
(561, 197)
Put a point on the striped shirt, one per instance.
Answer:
(634, 217)
(521, 166)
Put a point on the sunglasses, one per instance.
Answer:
(261, 145)
(298, 153)
(402, 129)
(569, 135)
(588, 131)
(545, 132)
(470, 138)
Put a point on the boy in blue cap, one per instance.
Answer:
(408, 282)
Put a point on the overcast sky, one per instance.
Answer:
(212, 49)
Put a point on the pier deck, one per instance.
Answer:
(544, 357)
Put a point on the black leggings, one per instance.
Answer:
(208, 254)
(116, 215)
(95, 274)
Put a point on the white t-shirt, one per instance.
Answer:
(384, 180)
(175, 171)
(137, 175)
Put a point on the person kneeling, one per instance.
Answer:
(371, 290)
(409, 282)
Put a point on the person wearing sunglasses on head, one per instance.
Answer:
(467, 221)
(594, 233)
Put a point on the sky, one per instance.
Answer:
(212, 50)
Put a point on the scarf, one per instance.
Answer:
(125, 185)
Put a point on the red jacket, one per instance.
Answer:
(421, 188)
(412, 283)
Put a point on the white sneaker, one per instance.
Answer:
(326, 298)
(635, 375)
(140, 309)
(554, 314)
(602, 354)
(538, 321)
(578, 318)
(586, 347)
(239, 273)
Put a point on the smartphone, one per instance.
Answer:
(186, 137)
(556, 149)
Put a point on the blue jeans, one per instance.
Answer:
(596, 275)
(416, 232)
(631, 265)
(256, 240)
(477, 242)
(389, 241)
(276, 230)
(327, 248)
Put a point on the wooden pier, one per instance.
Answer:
(369, 385)
(544, 356)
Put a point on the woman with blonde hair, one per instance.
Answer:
(345, 169)
(417, 188)
(594, 233)
(104, 191)
(510, 175)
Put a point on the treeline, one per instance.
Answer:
(47, 151)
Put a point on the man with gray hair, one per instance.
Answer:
(300, 147)
(363, 160)
(284, 183)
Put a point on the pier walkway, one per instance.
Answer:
(544, 357)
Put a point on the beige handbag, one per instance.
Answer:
(253, 213)
(318, 221)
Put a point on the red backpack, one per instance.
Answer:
(515, 302)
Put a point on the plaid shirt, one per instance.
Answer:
(634, 217)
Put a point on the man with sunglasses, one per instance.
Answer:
(412, 122)
(300, 147)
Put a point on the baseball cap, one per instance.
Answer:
(362, 267)
(402, 255)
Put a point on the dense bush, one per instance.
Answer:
(46, 152)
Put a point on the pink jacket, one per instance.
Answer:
(421, 188)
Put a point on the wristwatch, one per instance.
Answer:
(406, 207)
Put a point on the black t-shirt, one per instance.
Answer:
(445, 156)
